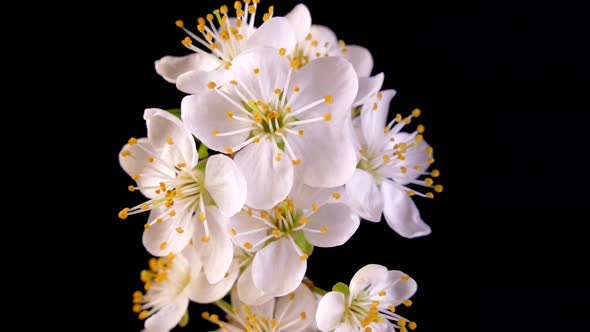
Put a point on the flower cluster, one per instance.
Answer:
(281, 145)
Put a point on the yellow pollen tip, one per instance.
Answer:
(146, 226)
(398, 117)
(412, 325)
(205, 238)
(214, 318)
(277, 91)
(405, 278)
(205, 315)
(329, 99)
(202, 216)
(159, 220)
(143, 315)
(336, 195)
(374, 106)
(314, 207)
(386, 159)
(125, 153)
(137, 294)
(251, 9)
(296, 162)
(179, 23)
(438, 188)
(419, 138)
(233, 82)
(223, 9)
(416, 112)
(248, 245)
(150, 160)
(294, 63)
(276, 233)
(169, 140)
(291, 296)
(327, 117)
(407, 120)
(214, 132)
(300, 132)
(368, 329)
(187, 41)
(303, 221)
(131, 188)
(181, 165)
(324, 229)
(172, 213)
(382, 293)
(296, 89)
(435, 173)
(209, 17)
(233, 232)
(403, 169)
(428, 181)
(303, 315)
(410, 193)
(256, 71)
(200, 20)
(429, 195)
(144, 206)
(230, 114)
(273, 322)
(278, 157)
(257, 140)
(420, 128)
(402, 322)
(179, 230)
(237, 5)
(288, 109)
(132, 141)
(282, 51)
(211, 85)
(229, 150)
(430, 160)
(249, 212)
(379, 96)
(429, 150)
(135, 177)
(391, 308)
(303, 257)
(163, 245)
(417, 167)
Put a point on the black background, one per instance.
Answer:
(502, 87)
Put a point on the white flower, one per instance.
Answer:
(182, 192)
(283, 237)
(221, 39)
(273, 118)
(170, 283)
(369, 303)
(290, 313)
(316, 41)
(389, 160)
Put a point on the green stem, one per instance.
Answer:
(318, 290)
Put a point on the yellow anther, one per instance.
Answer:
(386, 130)
(407, 303)
(132, 141)
(251, 9)
(276, 233)
(429, 195)
(362, 152)
(170, 256)
(230, 114)
(410, 193)
(303, 221)
(300, 132)
(179, 23)
(420, 128)
(438, 188)
(336, 195)
(416, 112)
(407, 120)
(379, 96)
(314, 43)
(405, 278)
(327, 117)
(386, 159)
(278, 157)
(282, 51)
(233, 82)
(391, 308)
(430, 160)
(179, 230)
(303, 315)
(214, 318)
(201, 28)
(213, 46)
(146, 226)
(135, 177)
(125, 153)
(223, 9)
(181, 165)
(205, 238)
(205, 315)
(229, 150)
(435, 173)
(308, 37)
(273, 322)
(248, 245)
(294, 63)
(329, 99)
(225, 35)
(150, 160)
(428, 181)
(271, 10)
(137, 294)
(419, 138)
(288, 109)
(412, 325)
(169, 140)
(200, 21)
(417, 167)
(314, 207)
(233, 232)
(303, 257)
(296, 88)
(187, 41)
(159, 220)
(324, 229)
(277, 91)
(214, 132)
(429, 150)
(163, 245)
(209, 17)
(227, 66)
(403, 169)
(237, 5)
(368, 329)
(398, 117)
(131, 188)
(382, 293)
(401, 322)
(257, 140)
(249, 212)
(265, 17)
(256, 71)
(144, 206)
(143, 315)
(172, 213)
(211, 85)
(202, 216)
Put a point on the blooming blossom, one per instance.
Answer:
(274, 119)
(370, 302)
(283, 237)
(188, 200)
(389, 161)
(220, 39)
(170, 283)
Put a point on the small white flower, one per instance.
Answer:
(316, 41)
(275, 118)
(170, 283)
(389, 160)
(369, 304)
(182, 192)
(220, 39)
(283, 237)
(293, 312)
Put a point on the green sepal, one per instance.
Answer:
(174, 111)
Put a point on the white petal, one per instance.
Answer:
(364, 196)
(291, 310)
(346, 327)
(401, 213)
(300, 20)
(361, 60)
(268, 180)
(373, 121)
(201, 291)
(399, 290)
(163, 126)
(277, 268)
(333, 76)
(339, 219)
(137, 163)
(226, 184)
(304, 196)
(166, 231)
(248, 292)
(170, 67)
(277, 33)
(168, 316)
(323, 35)
(217, 253)
(193, 259)
(385, 326)
(368, 86)
(197, 81)
(414, 156)
(327, 157)
(330, 311)
(367, 276)
(205, 112)
(242, 223)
